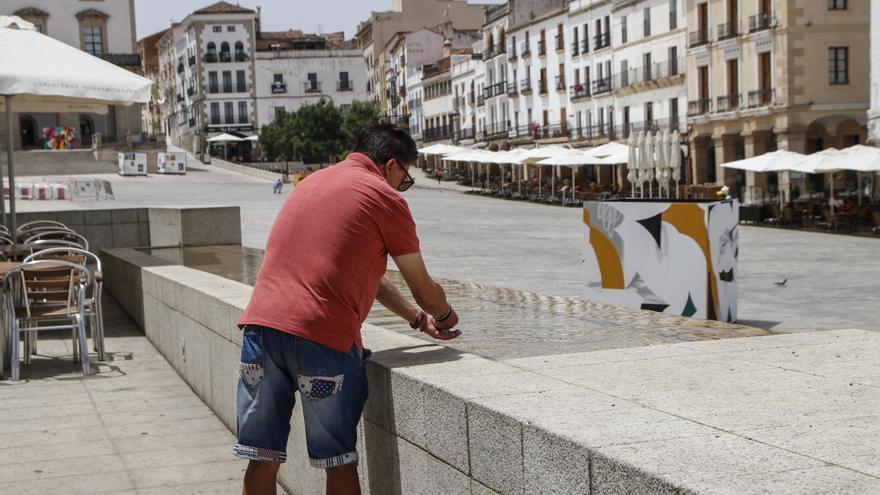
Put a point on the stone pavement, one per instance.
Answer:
(538, 248)
(133, 427)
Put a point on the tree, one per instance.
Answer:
(318, 132)
(359, 116)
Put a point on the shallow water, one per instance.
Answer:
(496, 322)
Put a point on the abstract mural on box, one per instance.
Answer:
(672, 257)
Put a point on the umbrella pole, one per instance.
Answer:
(553, 183)
(540, 182)
(831, 202)
(10, 165)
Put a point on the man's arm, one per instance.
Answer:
(429, 295)
(389, 296)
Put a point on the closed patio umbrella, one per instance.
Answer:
(675, 160)
(632, 163)
(39, 73)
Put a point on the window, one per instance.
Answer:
(218, 29)
(215, 113)
(673, 14)
(646, 61)
(312, 83)
(213, 86)
(224, 52)
(230, 113)
(279, 111)
(278, 78)
(575, 43)
(227, 81)
(838, 72)
(836, 4)
(230, 29)
(647, 22)
(673, 60)
(242, 112)
(241, 82)
(586, 38)
(649, 114)
(623, 35)
(94, 40)
(673, 112)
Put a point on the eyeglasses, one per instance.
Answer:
(407, 181)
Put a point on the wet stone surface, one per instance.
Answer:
(501, 323)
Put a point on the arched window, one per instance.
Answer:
(239, 47)
(212, 48)
(224, 52)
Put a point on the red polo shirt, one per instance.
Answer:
(327, 251)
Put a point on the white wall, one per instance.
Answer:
(295, 66)
(874, 111)
(63, 25)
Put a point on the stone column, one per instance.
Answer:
(756, 144)
(791, 141)
(725, 151)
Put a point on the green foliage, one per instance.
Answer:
(316, 133)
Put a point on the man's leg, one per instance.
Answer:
(343, 480)
(260, 478)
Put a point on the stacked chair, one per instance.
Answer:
(57, 286)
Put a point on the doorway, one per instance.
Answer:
(86, 131)
(28, 131)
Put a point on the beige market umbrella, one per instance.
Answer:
(39, 73)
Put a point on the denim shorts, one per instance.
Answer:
(332, 387)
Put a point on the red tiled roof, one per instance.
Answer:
(224, 8)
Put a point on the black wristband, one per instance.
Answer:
(445, 316)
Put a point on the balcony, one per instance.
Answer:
(225, 57)
(241, 57)
(651, 73)
(699, 107)
(762, 98)
(698, 38)
(542, 86)
(525, 87)
(192, 60)
(227, 88)
(603, 85)
(279, 88)
(579, 92)
(526, 51)
(728, 103)
(495, 130)
(575, 47)
(728, 30)
(210, 58)
(495, 89)
(458, 103)
(542, 48)
(761, 22)
(511, 89)
(560, 43)
(123, 59)
(464, 134)
(511, 52)
(602, 40)
(312, 87)
(438, 133)
(585, 46)
(560, 83)
(550, 131)
(481, 101)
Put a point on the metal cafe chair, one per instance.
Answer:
(53, 295)
(27, 229)
(60, 235)
(93, 311)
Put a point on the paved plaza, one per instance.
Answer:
(538, 248)
(133, 427)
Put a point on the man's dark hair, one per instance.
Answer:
(382, 142)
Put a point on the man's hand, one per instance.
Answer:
(440, 331)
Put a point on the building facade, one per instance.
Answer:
(768, 75)
(288, 78)
(407, 16)
(874, 111)
(496, 123)
(209, 61)
(105, 29)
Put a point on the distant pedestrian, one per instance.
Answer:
(276, 187)
(439, 174)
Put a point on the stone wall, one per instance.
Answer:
(438, 421)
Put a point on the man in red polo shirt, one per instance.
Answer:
(323, 268)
